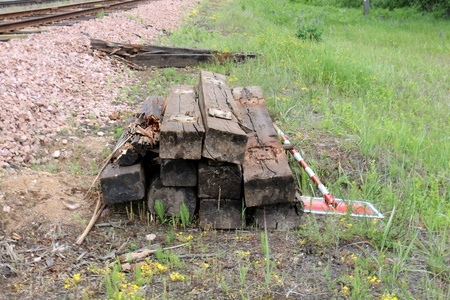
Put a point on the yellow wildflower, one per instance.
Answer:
(174, 276)
(345, 290)
(389, 297)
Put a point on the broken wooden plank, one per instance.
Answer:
(281, 216)
(268, 179)
(163, 56)
(171, 198)
(219, 181)
(182, 129)
(134, 49)
(178, 172)
(142, 253)
(224, 138)
(221, 214)
(122, 183)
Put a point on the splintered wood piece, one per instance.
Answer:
(171, 198)
(221, 214)
(142, 253)
(178, 172)
(134, 49)
(182, 129)
(127, 156)
(224, 138)
(142, 133)
(268, 178)
(162, 56)
(281, 216)
(122, 183)
(219, 181)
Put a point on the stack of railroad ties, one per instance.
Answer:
(211, 148)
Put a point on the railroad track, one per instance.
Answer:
(52, 9)
(43, 16)
(4, 3)
(19, 3)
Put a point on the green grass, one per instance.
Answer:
(377, 87)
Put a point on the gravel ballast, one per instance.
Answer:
(54, 82)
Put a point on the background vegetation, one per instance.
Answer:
(440, 8)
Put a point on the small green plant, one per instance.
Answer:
(75, 167)
(310, 31)
(173, 260)
(118, 133)
(112, 280)
(105, 152)
(94, 167)
(160, 211)
(402, 257)
(137, 18)
(160, 255)
(117, 286)
(223, 284)
(263, 244)
(387, 229)
(132, 247)
(138, 275)
(101, 14)
(170, 237)
(169, 73)
(243, 275)
(185, 216)
(168, 257)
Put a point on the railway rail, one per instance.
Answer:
(4, 3)
(51, 10)
(49, 15)
(10, 3)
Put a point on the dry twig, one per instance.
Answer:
(141, 253)
(98, 210)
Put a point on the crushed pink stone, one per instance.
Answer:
(53, 82)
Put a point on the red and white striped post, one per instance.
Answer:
(326, 194)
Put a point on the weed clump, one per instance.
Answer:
(310, 32)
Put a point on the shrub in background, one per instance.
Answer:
(440, 8)
(311, 31)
